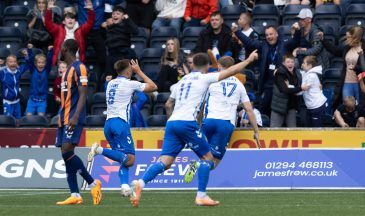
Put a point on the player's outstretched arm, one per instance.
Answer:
(169, 105)
(150, 85)
(237, 67)
(251, 117)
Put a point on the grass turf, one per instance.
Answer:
(291, 202)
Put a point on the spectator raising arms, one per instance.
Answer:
(118, 38)
(171, 61)
(69, 29)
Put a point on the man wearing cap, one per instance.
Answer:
(308, 42)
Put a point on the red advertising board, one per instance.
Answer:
(31, 137)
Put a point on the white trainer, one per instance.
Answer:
(93, 152)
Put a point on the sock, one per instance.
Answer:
(75, 195)
(76, 163)
(141, 183)
(123, 174)
(71, 172)
(152, 171)
(92, 184)
(99, 150)
(201, 194)
(115, 155)
(203, 174)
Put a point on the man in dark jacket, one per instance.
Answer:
(118, 38)
(216, 35)
(271, 52)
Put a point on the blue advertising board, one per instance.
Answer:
(250, 169)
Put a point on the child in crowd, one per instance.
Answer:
(10, 79)
(62, 68)
(314, 98)
(39, 66)
(244, 118)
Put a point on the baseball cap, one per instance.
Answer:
(305, 13)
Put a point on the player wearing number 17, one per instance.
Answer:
(182, 127)
(220, 115)
(119, 95)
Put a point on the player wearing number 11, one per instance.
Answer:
(119, 95)
(182, 127)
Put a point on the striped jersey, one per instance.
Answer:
(119, 96)
(75, 76)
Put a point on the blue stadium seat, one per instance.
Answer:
(10, 38)
(7, 121)
(62, 4)
(265, 15)
(231, 13)
(151, 62)
(331, 77)
(284, 31)
(160, 35)
(95, 121)
(98, 104)
(290, 13)
(328, 14)
(54, 121)
(33, 121)
(355, 15)
(159, 107)
(4, 53)
(139, 41)
(329, 34)
(189, 37)
(16, 16)
(28, 3)
(261, 31)
(157, 120)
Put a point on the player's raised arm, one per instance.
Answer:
(150, 85)
(237, 67)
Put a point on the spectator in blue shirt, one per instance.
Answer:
(39, 66)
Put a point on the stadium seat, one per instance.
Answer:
(189, 37)
(62, 4)
(54, 121)
(139, 41)
(157, 120)
(159, 107)
(342, 33)
(328, 14)
(231, 13)
(337, 62)
(355, 14)
(16, 16)
(4, 53)
(331, 77)
(33, 121)
(95, 121)
(290, 13)
(151, 62)
(28, 3)
(160, 35)
(261, 31)
(329, 34)
(98, 104)
(10, 38)
(265, 15)
(265, 120)
(285, 31)
(7, 121)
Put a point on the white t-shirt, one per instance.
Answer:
(223, 99)
(119, 96)
(189, 93)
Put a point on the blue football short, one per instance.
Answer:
(68, 136)
(118, 134)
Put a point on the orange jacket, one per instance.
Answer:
(200, 9)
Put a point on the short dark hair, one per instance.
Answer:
(69, 15)
(119, 8)
(271, 26)
(216, 13)
(201, 60)
(71, 45)
(312, 60)
(288, 56)
(121, 65)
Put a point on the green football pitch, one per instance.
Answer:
(171, 203)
